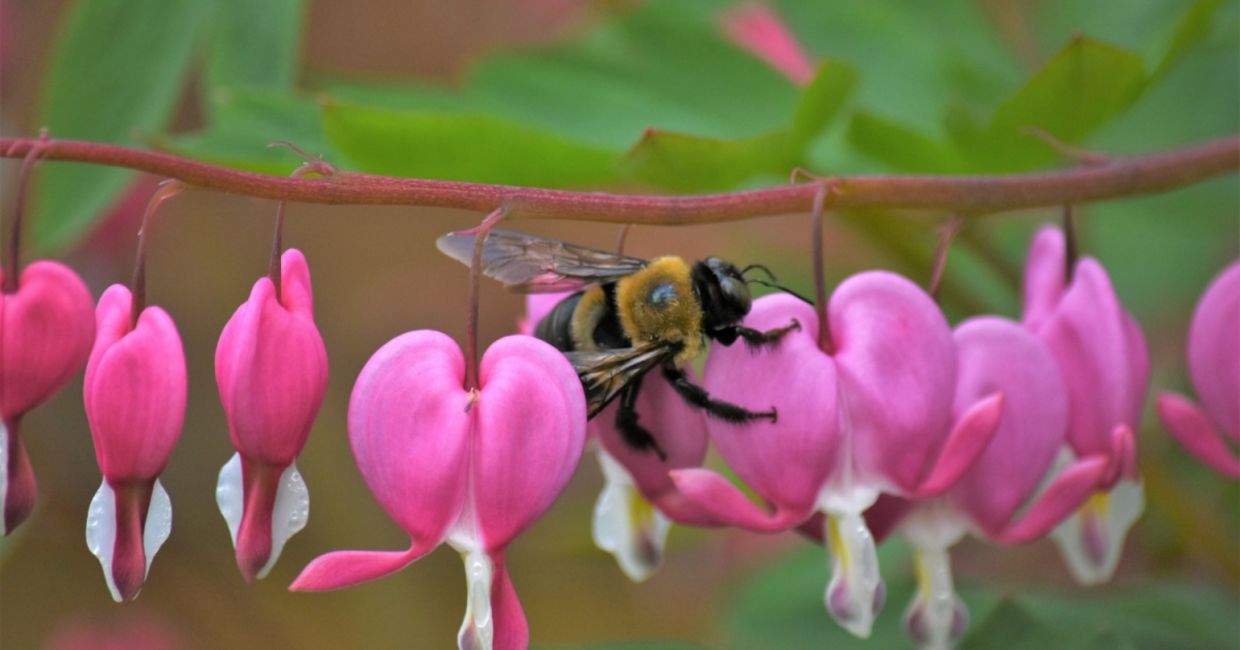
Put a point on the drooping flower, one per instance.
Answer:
(1102, 357)
(759, 30)
(47, 326)
(473, 468)
(135, 395)
(871, 416)
(639, 502)
(994, 354)
(1214, 367)
(271, 367)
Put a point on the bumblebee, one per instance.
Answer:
(626, 317)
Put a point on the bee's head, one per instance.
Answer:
(724, 292)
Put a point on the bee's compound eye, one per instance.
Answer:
(663, 295)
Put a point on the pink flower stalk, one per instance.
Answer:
(634, 513)
(46, 329)
(871, 416)
(473, 468)
(271, 367)
(992, 354)
(1102, 357)
(1214, 367)
(757, 29)
(135, 394)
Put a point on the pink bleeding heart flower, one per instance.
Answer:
(1102, 357)
(473, 468)
(1214, 367)
(872, 415)
(271, 367)
(634, 513)
(47, 326)
(993, 354)
(135, 395)
(760, 31)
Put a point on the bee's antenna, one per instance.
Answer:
(781, 287)
(759, 267)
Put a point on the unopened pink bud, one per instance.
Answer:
(271, 367)
(135, 395)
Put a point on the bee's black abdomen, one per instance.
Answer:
(556, 327)
(609, 333)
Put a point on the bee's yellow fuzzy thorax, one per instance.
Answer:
(676, 318)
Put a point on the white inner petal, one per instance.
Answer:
(934, 523)
(4, 472)
(230, 495)
(478, 629)
(101, 532)
(1092, 539)
(853, 595)
(158, 523)
(101, 528)
(291, 512)
(626, 525)
(935, 608)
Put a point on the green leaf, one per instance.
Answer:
(117, 70)
(822, 99)
(255, 44)
(1084, 85)
(468, 146)
(1150, 617)
(900, 146)
(245, 120)
(688, 163)
(1194, 25)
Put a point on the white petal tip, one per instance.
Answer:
(1092, 539)
(101, 529)
(290, 515)
(856, 592)
(230, 495)
(478, 628)
(628, 526)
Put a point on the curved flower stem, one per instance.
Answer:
(970, 195)
(311, 165)
(13, 262)
(820, 289)
(167, 189)
(622, 237)
(480, 233)
(947, 234)
(1071, 247)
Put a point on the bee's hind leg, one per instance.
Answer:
(697, 396)
(634, 434)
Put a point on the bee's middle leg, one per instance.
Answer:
(633, 433)
(697, 396)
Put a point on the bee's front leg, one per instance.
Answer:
(754, 339)
(697, 396)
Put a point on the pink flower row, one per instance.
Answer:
(1006, 430)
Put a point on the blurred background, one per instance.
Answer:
(597, 74)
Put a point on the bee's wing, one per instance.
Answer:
(531, 264)
(605, 373)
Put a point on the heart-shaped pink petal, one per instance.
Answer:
(897, 370)
(529, 432)
(46, 330)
